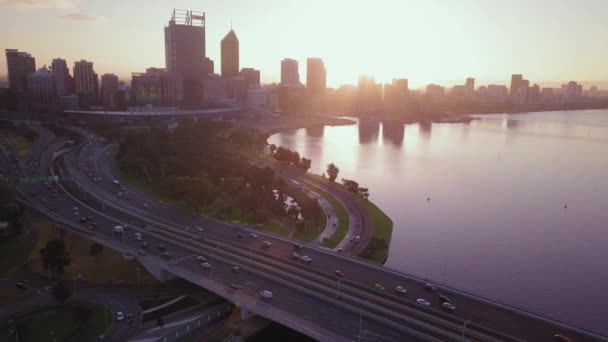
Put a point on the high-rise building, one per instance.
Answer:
(316, 77)
(230, 55)
(469, 87)
(396, 95)
(185, 52)
(146, 89)
(252, 77)
(290, 76)
(157, 87)
(19, 66)
(209, 66)
(86, 83)
(109, 91)
(61, 73)
(41, 87)
(516, 80)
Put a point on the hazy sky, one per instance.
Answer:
(426, 41)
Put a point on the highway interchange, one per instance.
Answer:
(310, 297)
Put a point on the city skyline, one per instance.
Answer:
(422, 60)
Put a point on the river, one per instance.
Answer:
(512, 207)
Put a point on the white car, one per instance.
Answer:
(146, 205)
(305, 258)
(267, 243)
(116, 182)
(379, 287)
(266, 294)
(137, 234)
(200, 229)
(400, 290)
(295, 255)
(119, 316)
(423, 302)
(206, 265)
(253, 235)
(449, 306)
(201, 258)
(357, 238)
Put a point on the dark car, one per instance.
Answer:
(23, 284)
(444, 299)
(430, 287)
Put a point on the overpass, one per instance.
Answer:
(309, 298)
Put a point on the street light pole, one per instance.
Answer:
(338, 296)
(360, 321)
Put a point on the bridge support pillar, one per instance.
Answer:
(244, 313)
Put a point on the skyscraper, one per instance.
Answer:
(61, 73)
(185, 52)
(316, 77)
(252, 76)
(290, 75)
(230, 55)
(19, 65)
(209, 66)
(516, 82)
(109, 91)
(87, 83)
(42, 87)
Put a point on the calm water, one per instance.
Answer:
(496, 224)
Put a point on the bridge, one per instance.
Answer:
(308, 297)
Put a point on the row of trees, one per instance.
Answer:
(286, 155)
(354, 187)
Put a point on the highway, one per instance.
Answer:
(308, 297)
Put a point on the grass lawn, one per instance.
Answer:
(108, 267)
(140, 184)
(20, 145)
(58, 323)
(342, 228)
(382, 224)
(14, 251)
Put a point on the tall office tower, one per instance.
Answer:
(290, 75)
(86, 83)
(230, 55)
(469, 86)
(19, 65)
(252, 77)
(209, 66)
(516, 82)
(316, 77)
(109, 91)
(185, 52)
(61, 73)
(42, 87)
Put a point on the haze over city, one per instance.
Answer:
(427, 42)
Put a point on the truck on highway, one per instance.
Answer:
(118, 230)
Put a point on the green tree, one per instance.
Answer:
(95, 249)
(332, 172)
(61, 292)
(54, 256)
(304, 164)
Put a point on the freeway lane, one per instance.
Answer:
(469, 309)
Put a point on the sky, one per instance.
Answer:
(430, 41)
